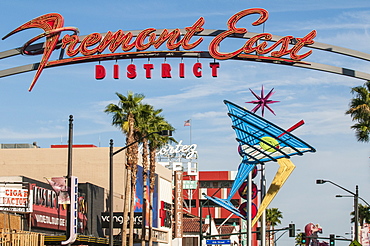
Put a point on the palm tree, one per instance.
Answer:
(123, 118)
(157, 123)
(137, 120)
(143, 120)
(360, 111)
(273, 216)
(363, 214)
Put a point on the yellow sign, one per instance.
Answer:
(283, 173)
(355, 243)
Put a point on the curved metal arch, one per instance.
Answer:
(199, 54)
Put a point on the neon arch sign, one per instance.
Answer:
(261, 47)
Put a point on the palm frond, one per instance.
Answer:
(359, 110)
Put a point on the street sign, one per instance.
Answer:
(218, 241)
(189, 184)
(355, 243)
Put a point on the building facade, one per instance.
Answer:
(91, 165)
(218, 184)
(211, 183)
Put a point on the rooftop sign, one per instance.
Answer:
(179, 150)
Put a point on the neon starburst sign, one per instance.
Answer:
(263, 101)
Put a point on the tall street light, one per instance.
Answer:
(71, 226)
(358, 198)
(111, 154)
(355, 202)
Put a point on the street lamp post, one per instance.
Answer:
(355, 201)
(69, 171)
(69, 238)
(358, 198)
(111, 154)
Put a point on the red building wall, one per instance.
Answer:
(219, 179)
(216, 179)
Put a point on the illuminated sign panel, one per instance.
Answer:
(120, 44)
(178, 204)
(166, 70)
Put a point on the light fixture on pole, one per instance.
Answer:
(166, 133)
(355, 202)
(358, 198)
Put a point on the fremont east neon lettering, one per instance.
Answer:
(95, 44)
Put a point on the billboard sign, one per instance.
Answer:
(139, 196)
(14, 198)
(118, 220)
(49, 214)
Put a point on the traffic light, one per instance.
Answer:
(331, 239)
(291, 230)
(258, 236)
(303, 241)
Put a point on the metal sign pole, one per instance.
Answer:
(249, 193)
(262, 195)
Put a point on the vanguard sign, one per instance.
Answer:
(121, 45)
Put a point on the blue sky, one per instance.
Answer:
(318, 98)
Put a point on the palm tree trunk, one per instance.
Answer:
(126, 200)
(268, 235)
(151, 192)
(130, 163)
(132, 205)
(145, 198)
(133, 190)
